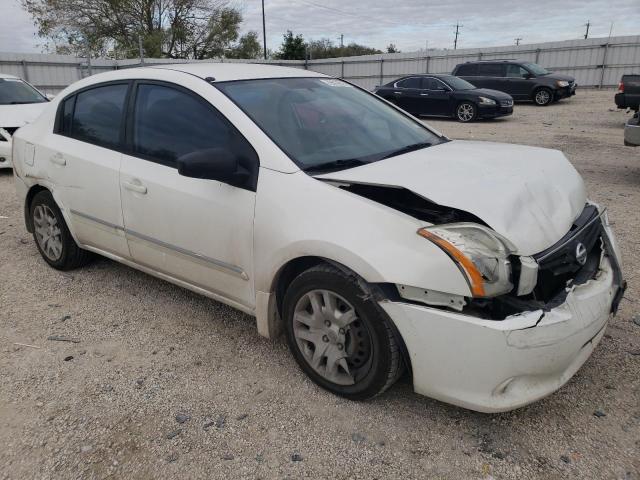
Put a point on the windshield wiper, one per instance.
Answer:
(336, 165)
(407, 149)
(22, 103)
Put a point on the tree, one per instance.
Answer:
(325, 48)
(167, 28)
(292, 48)
(391, 48)
(248, 47)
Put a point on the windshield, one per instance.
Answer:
(536, 69)
(457, 83)
(14, 91)
(325, 123)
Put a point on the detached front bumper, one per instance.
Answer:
(495, 366)
(5, 150)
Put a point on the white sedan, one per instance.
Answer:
(20, 103)
(374, 242)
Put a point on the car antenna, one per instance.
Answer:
(210, 79)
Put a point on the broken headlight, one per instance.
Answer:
(480, 253)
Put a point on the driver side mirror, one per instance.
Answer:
(212, 164)
(529, 76)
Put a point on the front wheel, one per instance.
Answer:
(466, 112)
(543, 97)
(339, 335)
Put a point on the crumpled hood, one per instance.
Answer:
(18, 115)
(529, 195)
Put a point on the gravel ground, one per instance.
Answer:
(164, 383)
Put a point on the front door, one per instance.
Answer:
(194, 230)
(435, 97)
(517, 78)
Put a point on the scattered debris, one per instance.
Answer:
(636, 319)
(173, 434)
(357, 437)
(296, 457)
(208, 425)
(242, 416)
(228, 456)
(26, 345)
(172, 457)
(68, 358)
(599, 413)
(220, 421)
(565, 459)
(634, 352)
(62, 338)
(182, 417)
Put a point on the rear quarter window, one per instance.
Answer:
(491, 70)
(467, 70)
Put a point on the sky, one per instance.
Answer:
(409, 24)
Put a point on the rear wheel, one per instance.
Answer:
(339, 335)
(52, 236)
(543, 97)
(466, 112)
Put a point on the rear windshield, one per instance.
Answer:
(14, 91)
(327, 122)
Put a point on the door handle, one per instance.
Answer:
(58, 159)
(135, 187)
(398, 93)
(424, 94)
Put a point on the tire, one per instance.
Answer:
(365, 344)
(52, 236)
(466, 112)
(542, 97)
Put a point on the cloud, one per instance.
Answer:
(410, 24)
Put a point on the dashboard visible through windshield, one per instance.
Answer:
(326, 124)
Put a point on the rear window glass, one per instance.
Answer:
(413, 82)
(467, 70)
(97, 116)
(491, 69)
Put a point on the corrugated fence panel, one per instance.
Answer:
(583, 59)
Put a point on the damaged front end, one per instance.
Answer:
(503, 284)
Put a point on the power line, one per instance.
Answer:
(518, 41)
(264, 32)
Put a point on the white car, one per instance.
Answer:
(20, 103)
(374, 242)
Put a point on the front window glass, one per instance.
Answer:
(457, 83)
(327, 124)
(516, 71)
(413, 82)
(14, 91)
(169, 123)
(537, 69)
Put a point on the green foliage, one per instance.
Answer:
(167, 28)
(248, 47)
(325, 48)
(391, 48)
(292, 48)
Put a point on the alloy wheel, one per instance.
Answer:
(543, 97)
(465, 112)
(331, 337)
(48, 232)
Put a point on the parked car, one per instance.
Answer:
(632, 131)
(628, 95)
(524, 81)
(445, 96)
(20, 103)
(373, 241)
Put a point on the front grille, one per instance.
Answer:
(506, 103)
(573, 259)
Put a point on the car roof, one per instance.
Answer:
(222, 72)
(6, 75)
(497, 60)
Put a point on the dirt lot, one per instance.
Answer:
(148, 351)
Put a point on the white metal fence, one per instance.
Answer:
(594, 62)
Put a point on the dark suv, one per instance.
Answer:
(524, 81)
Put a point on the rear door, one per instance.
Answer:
(83, 161)
(194, 230)
(491, 75)
(406, 94)
(517, 82)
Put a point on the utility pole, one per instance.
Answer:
(264, 33)
(341, 40)
(455, 41)
(518, 41)
(140, 50)
(586, 34)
